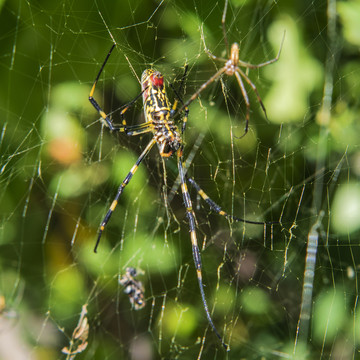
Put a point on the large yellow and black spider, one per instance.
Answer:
(158, 115)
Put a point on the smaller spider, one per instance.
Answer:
(233, 67)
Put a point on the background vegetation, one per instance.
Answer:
(60, 168)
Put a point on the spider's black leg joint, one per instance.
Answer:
(215, 207)
(121, 189)
(94, 102)
(195, 247)
(126, 107)
(98, 108)
(104, 116)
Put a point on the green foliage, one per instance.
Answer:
(60, 169)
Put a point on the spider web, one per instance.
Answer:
(288, 290)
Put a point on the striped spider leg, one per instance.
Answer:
(215, 207)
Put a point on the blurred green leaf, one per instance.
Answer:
(349, 13)
(345, 213)
(295, 75)
(67, 293)
(329, 315)
(179, 321)
(255, 301)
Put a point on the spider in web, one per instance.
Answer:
(232, 66)
(159, 115)
(159, 121)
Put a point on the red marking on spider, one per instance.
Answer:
(157, 79)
